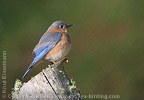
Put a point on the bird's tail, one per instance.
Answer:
(28, 70)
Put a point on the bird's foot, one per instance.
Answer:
(52, 62)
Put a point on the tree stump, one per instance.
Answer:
(50, 84)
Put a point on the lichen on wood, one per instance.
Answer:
(51, 84)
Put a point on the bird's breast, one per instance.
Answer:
(61, 49)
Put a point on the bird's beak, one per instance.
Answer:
(68, 25)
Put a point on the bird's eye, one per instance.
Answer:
(60, 26)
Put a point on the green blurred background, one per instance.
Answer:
(107, 55)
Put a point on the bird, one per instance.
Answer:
(53, 46)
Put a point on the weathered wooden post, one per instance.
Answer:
(50, 84)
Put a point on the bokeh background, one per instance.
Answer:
(107, 55)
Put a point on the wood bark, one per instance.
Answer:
(51, 84)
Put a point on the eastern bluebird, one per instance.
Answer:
(53, 46)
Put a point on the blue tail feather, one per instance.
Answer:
(28, 70)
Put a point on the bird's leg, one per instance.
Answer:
(55, 63)
(52, 61)
(58, 62)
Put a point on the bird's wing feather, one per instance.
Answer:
(47, 43)
(44, 46)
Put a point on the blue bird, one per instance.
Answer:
(53, 46)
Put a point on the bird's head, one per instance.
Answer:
(60, 26)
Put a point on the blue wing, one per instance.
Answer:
(43, 47)
(46, 44)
